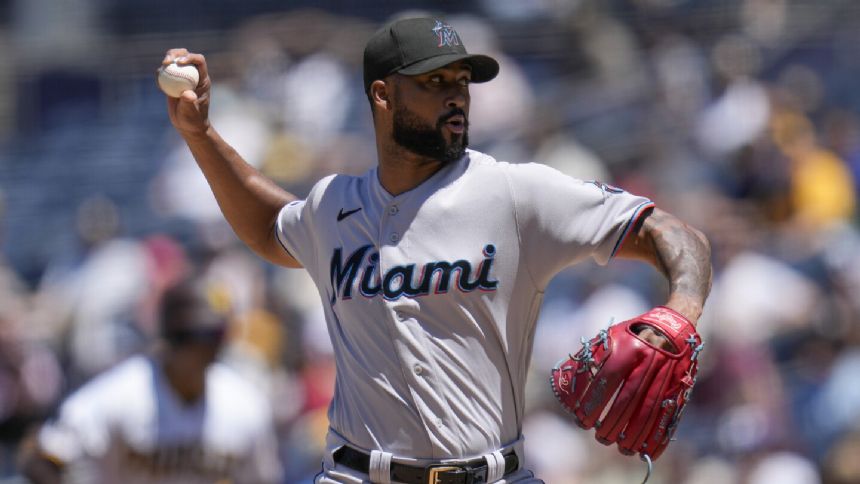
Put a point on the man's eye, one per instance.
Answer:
(464, 81)
(436, 79)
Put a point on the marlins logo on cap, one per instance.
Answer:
(447, 35)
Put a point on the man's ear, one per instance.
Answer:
(380, 94)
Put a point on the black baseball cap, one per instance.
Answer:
(415, 46)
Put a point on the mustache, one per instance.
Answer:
(452, 113)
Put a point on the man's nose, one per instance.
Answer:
(456, 100)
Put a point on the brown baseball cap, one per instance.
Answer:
(418, 45)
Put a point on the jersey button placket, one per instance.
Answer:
(388, 226)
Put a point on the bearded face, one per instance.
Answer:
(429, 140)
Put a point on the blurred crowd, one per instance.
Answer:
(740, 116)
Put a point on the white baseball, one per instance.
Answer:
(174, 79)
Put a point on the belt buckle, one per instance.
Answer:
(434, 473)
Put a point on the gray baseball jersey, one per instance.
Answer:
(431, 296)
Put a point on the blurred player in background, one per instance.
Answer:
(175, 416)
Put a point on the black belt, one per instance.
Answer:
(467, 472)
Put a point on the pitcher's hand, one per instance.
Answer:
(189, 113)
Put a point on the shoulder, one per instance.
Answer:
(333, 190)
(485, 162)
(113, 392)
(522, 180)
(321, 187)
(121, 379)
(482, 162)
(336, 185)
(483, 167)
(538, 171)
(525, 178)
(230, 390)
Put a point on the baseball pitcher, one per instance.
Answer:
(431, 269)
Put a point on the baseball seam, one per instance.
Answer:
(180, 74)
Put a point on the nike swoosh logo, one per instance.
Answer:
(342, 215)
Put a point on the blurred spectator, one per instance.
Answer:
(93, 298)
(747, 285)
(842, 135)
(712, 470)
(822, 187)
(175, 415)
(837, 406)
(181, 188)
(842, 465)
(30, 377)
(741, 113)
(785, 468)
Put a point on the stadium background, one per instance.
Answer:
(740, 116)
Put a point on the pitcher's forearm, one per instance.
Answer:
(683, 254)
(249, 201)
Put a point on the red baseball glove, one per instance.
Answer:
(630, 391)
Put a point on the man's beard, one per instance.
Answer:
(412, 133)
